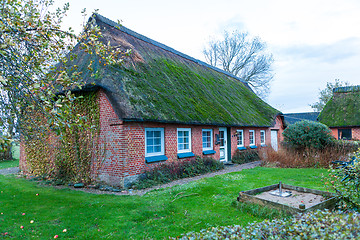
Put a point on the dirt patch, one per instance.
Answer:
(296, 198)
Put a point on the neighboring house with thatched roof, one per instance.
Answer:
(342, 113)
(162, 105)
(291, 118)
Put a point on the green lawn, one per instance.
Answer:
(12, 163)
(154, 215)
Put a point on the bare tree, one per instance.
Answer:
(326, 94)
(244, 57)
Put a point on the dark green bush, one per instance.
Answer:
(170, 171)
(312, 225)
(344, 178)
(245, 156)
(308, 134)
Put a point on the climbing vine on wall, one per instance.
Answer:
(75, 154)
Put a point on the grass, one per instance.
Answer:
(158, 214)
(15, 161)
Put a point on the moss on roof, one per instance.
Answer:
(159, 84)
(343, 109)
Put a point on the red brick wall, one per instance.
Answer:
(355, 132)
(114, 142)
(334, 132)
(125, 142)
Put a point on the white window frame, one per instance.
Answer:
(254, 142)
(242, 138)
(162, 142)
(211, 139)
(184, 130)
(262, 142)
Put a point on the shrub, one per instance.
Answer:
(5, 148)
(289, 157)
(312, 225)
(345, 180)
(308, 134)
(170, 171)
(245, 156)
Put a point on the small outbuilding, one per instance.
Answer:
(342, 113)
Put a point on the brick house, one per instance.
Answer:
(342, 113)
(162, 105)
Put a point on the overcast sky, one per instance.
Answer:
(313, 41)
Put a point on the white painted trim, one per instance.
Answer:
(177, 134)
(211, 139)
(252, 144)
(225, 147)
(263, 131)
(162, 142)
(242, 138)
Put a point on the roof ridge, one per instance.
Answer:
(355, 88)
(163, 46)
(301, 113)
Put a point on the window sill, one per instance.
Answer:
(253, 146)
(207, 152)
(185, 155)
(156, 158)
(242, 148)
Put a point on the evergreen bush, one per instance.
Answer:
(344, 178)
(308, 134)
(311, 225)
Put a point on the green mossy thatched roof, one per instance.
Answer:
(343, 109)
(160, 84)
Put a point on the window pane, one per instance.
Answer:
(154, 139)
(150, 134)
(239, 138)
(149, 149)
(186, 146)
(157, 141)
(180, 133)
(157, 148)
(206, 137)
(157, 134)
(251, 137)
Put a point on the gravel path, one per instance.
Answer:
(6, 171)
(228, 169)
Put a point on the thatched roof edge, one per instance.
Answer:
(194, 123)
